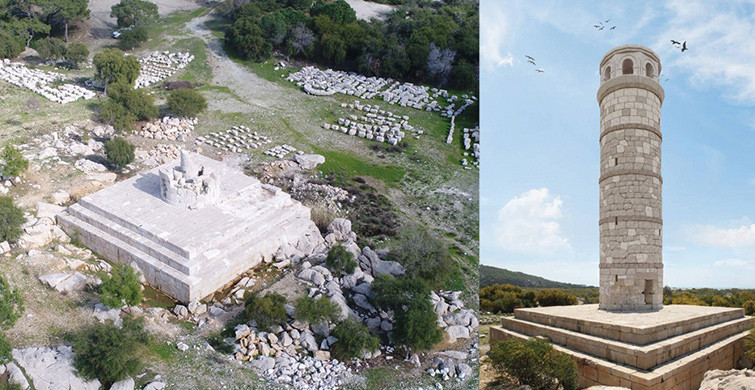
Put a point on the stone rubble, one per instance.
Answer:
(157, 155)
(376, 124)
(728, 379)
(51, 369)
(472, 145)
(43, 83)
(280, 151)
(238, 139)
(168, 128)
(159, 66)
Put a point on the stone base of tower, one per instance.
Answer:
(667, 349)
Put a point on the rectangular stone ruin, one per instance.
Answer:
(192, 225)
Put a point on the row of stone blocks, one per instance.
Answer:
(671, 355)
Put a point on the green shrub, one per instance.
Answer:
(132, 38)
(77, 53)
(535, 363)
(267, 310)
(749, 345)
(114, 114)
(119, 152)
(340, 260)
(134, 12)
(121, 287)
(15, 163)
(51, 49)
(5, 349)
(186, 102)
(424, 256)
(504, 302)
(107, 353)
(10, 45)
(135, 101)
(353, 339)
(415, 321)
(314, 311)
(11, 304)
(111, 65)
(552, 297)
(749, 307)
(11, 219)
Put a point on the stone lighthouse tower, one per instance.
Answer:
(631, 224)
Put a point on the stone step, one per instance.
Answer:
(643, 357)
(632, 334)
(683, 373)
(156, 272)
(85, 203)
(131, 237)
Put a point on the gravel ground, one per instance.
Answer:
(367, 10)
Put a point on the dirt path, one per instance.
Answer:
(367, 10)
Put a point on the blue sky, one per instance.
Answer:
(540, 151)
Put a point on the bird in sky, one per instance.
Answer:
(684, 46)
(541, 70)
(612, 28)
(531, 62)
(529, 57)
(675, 43)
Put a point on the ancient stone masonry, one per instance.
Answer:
(631, 225)
(160, 65)
(42, 83)
(630, 339)
(173, 129)
(471, 145)
(190, 233)
(375, 124)
(329, 82)
(280, 151)
(238, 139)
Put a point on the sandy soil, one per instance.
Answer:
(367, 10)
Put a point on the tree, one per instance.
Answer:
(535, 363)
(246, 37)
(353, 339)
(339, 11)
(415, 320)
(108, 353)
(552, 297)
(340, 260)
(11, 304)
(11, 219)
(132, 38)
(51, 49)
(10, 45)
(119, 152)
(111, 65)
(136, 101)
(67, 12)
(463, 75)
(299, 40)
(134, 12)
(439, 62)
(316, 311)
(749, 307)
(114, 114)
(267, 311)
(121, 287)
(274, 27)
(14, 162)
(77, 53)
(186, 102)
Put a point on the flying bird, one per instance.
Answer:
(684, 46)
(541, 70)
(608, 20)
(530, 58)
(675, 43)
(613, 28)
(531, 62)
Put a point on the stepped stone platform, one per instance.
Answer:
(193, 225)
(666, 349)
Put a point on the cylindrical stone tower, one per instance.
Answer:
(631, 226)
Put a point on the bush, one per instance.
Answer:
(749, 345)
(132, 38)
(119, 152)
(415, 321)
(112, 65)
(116, 115)
(186, 102)
(5, 349)
(10, 45)
(136, 101)
(340, 260)
(15, 163)
(504, 302)
(121, 287)
(424, 256)
(315, 311)
(134, 12)
(11, 304)
(267, 311)
(11, 219)
(77, 53)
(51, 49)
(551, 297)
(535, 363)
(749, 307)
(108, 353)
(353, 339)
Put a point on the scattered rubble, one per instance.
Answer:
(173, 129)
(161, 65)
(238, 139)
(51, 85)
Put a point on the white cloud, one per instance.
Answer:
(735, 263)
(742, 236)
(528, 224)
(493, 34)
(718, 36)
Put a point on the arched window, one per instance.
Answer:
(607, 74)
(627, 67)
(649, 70)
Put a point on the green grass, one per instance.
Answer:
(163, 350)
(198, 70)
(341, 162)
(380, 378)
(155, 298)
